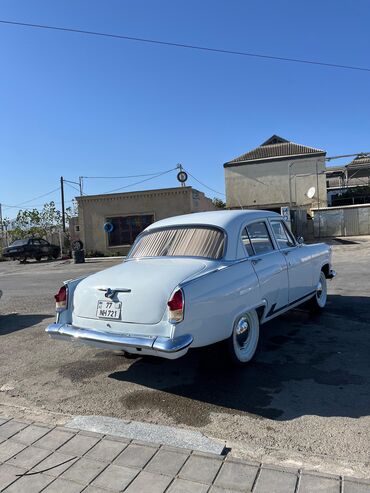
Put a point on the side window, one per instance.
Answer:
(282, 235)
(247, 242)
(36, 242)
(260, 238)
(44, 242)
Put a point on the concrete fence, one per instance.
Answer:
(349, 220)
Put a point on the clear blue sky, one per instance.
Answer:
(79, 105)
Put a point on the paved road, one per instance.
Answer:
(304, 400)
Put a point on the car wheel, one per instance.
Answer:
(318, 302)
(38, 258)
(243, 341)
(55, 255)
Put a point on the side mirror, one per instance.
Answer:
(300, 240)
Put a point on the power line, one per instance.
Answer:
(141, 181)
(31, 200)
(36, 206)
(203, 184)
(187, 46)
(72, 186)
(120, 177)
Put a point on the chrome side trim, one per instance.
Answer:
(164, 344)
(117, 290)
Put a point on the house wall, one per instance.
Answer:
(94, 209)
(266, 184)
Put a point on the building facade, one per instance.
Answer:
(128, 214)
(277, 174)
(350, 184)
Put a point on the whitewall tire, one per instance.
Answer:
(243, 341)
(318, 302)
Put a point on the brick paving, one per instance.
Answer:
(36, 458)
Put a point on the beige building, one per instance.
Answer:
(129, 213)
(278, 173)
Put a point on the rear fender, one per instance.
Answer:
(66, 315)
(213, 301)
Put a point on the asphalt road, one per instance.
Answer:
(304, 400)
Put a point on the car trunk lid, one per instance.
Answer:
(143, 287)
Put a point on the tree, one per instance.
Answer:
(218, 203)
(36, 223)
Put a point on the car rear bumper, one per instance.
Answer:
(161, 346)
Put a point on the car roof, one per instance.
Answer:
(227, 220)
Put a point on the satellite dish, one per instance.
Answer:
(311, 192)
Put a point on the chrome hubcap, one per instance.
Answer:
(319, 290)
(242, 332)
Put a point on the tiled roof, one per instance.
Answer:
(362, 160)
(275, 147)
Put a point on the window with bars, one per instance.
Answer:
(127, 228)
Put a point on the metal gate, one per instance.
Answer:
(351, 222)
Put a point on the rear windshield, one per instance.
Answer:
(180, 242)
(19, 243)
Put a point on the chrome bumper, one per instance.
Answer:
(117, 341)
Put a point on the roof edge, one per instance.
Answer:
(135, 192)
(231, 164)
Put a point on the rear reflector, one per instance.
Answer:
(61, 299)
(176, 307)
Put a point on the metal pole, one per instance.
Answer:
(290, 184)
(63, 209)
(60, 243)
(181, 170)
(80, 178)
(318, 197)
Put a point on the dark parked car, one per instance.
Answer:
(31, 248)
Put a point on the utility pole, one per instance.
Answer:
(182, 176)
(63, 208)
(80, 182)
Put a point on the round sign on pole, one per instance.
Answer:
(182, 176)
(108, 227)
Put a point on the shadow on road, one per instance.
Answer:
(14, 322)
(304, 366)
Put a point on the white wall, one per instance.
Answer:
(267, 183)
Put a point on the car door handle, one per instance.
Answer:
(256, 260)
(286, 252)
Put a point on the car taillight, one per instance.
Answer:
(61, 299)
(176, 307)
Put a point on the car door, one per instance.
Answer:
(35, 247)
(298, 259)
(46, 249)
(269, 264)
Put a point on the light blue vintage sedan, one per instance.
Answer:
(194, 280)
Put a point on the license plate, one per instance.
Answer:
(109, 309)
